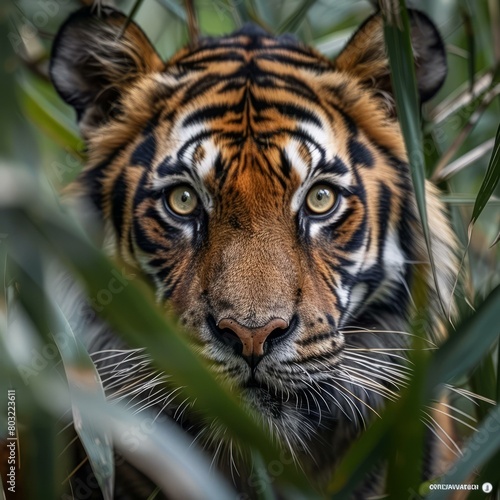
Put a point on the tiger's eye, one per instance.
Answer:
(320, 199)
(182, 200)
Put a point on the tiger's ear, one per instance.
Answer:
(365, 55)
(95, 58)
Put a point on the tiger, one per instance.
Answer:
(264, 192)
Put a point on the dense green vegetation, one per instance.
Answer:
(456, 144)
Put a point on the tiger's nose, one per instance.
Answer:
(252, 340)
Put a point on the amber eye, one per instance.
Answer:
(320, 199)
(182, 200)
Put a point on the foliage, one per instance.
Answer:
(456, 144)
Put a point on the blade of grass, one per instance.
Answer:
(487, 474)
(175, 9)
(363, 456)
(496, 240)
(471, 46)
(467, 128)
(235, 8)
(162, 452)
(262, 477)
(482, 445)
(405, 464)
(404, 85)
(489, 183)
(464, 161)
(464, 349)
(292, 23)
(49, 119)
(193, 27)
(253, 16)
(40, 435)
(330, 45)
(483, 381)
(494, 11)
(465, 199)
(498, 374)
(82, 375)
(462, 98)
(131, 16)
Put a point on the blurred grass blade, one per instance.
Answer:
(40, 432)
(466, 160)
(262, 477)
(176, 9)
(362, 457)
(36, 305)
(482, 445)
(489, 182)
(404, 85)
(461, 100)
(154, 494)
(48, 118)
(162, 452)
(133, 11)
(82, 376)
(292, 23)
(331, 45)
(465, 199)
(471, 46)
(465, 348)
(495, 241)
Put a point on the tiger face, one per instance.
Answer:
(265, 191)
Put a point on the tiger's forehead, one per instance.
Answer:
(236, 103)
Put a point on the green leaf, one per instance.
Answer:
(132, 14)
(82, 376)
(482, 445)
(464, 349)
(404, 86)
(48, 118)
(262, 477)
(489, 182)
(363, 455)
(496, 240)
(173, 7)
(292, 23)
(465, 199)
(471, 46)
(483, 381)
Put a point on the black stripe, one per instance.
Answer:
(351, 125)
(286, 166)
(317, 357)
(384, 209)
(200, 87)
(360, 154)
(118, 201)
(313, 339)
(337, 166)
(212, 112)
(92, 178)
(169, 167)
(143, 155)
(314, 65)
